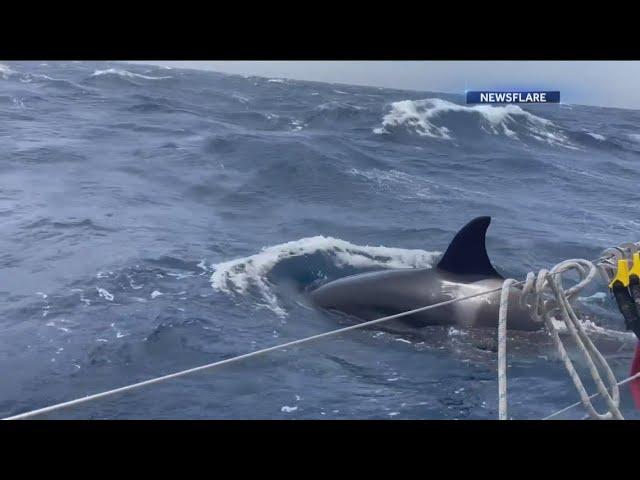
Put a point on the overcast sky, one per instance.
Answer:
(603, 83)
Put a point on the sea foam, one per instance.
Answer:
(430, 118)
(124, 73)
(238, 276)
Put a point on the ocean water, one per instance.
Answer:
(158, 219)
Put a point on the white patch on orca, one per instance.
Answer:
(457, 290)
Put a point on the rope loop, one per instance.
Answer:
(544, 294)
(541, 294)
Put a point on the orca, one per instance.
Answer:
(464, 269)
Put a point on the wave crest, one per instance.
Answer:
(438, 118)
(125, 74)
(243, 274)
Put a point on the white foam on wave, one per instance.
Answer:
(125, 73)
(240, 98)
(47, 77)
(238, 276)
(635, 137)
(597, 136)
(297, 125)
(455, 332)
(6, 71)
(105, 294)
(424, 117)
(591, 327)
(56, 324)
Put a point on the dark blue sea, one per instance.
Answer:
(158, 219)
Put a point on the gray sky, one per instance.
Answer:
(603, 83)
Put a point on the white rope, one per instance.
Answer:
(557, 298)
(501, 350)
(591, 397)
(227, 361)
(540, 308)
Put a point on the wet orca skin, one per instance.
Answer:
(464, 269)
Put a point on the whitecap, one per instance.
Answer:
(6, 71)
(237, 276)
(597, 136)
(454, 332)
(125, 73)
(56, 324)
(426, 118)
(104, 294)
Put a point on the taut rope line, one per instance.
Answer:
(227, 361)
(591, 397)
(502, 351)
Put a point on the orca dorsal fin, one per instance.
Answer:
(467, 253)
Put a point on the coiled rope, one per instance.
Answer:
(535, 297)
(529, 292)
(543, 294)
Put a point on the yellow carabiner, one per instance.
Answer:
(622, 275)
(635, 266)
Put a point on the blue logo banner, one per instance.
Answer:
(501, 97)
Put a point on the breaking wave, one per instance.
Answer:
(441, 119)
(245, 274)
